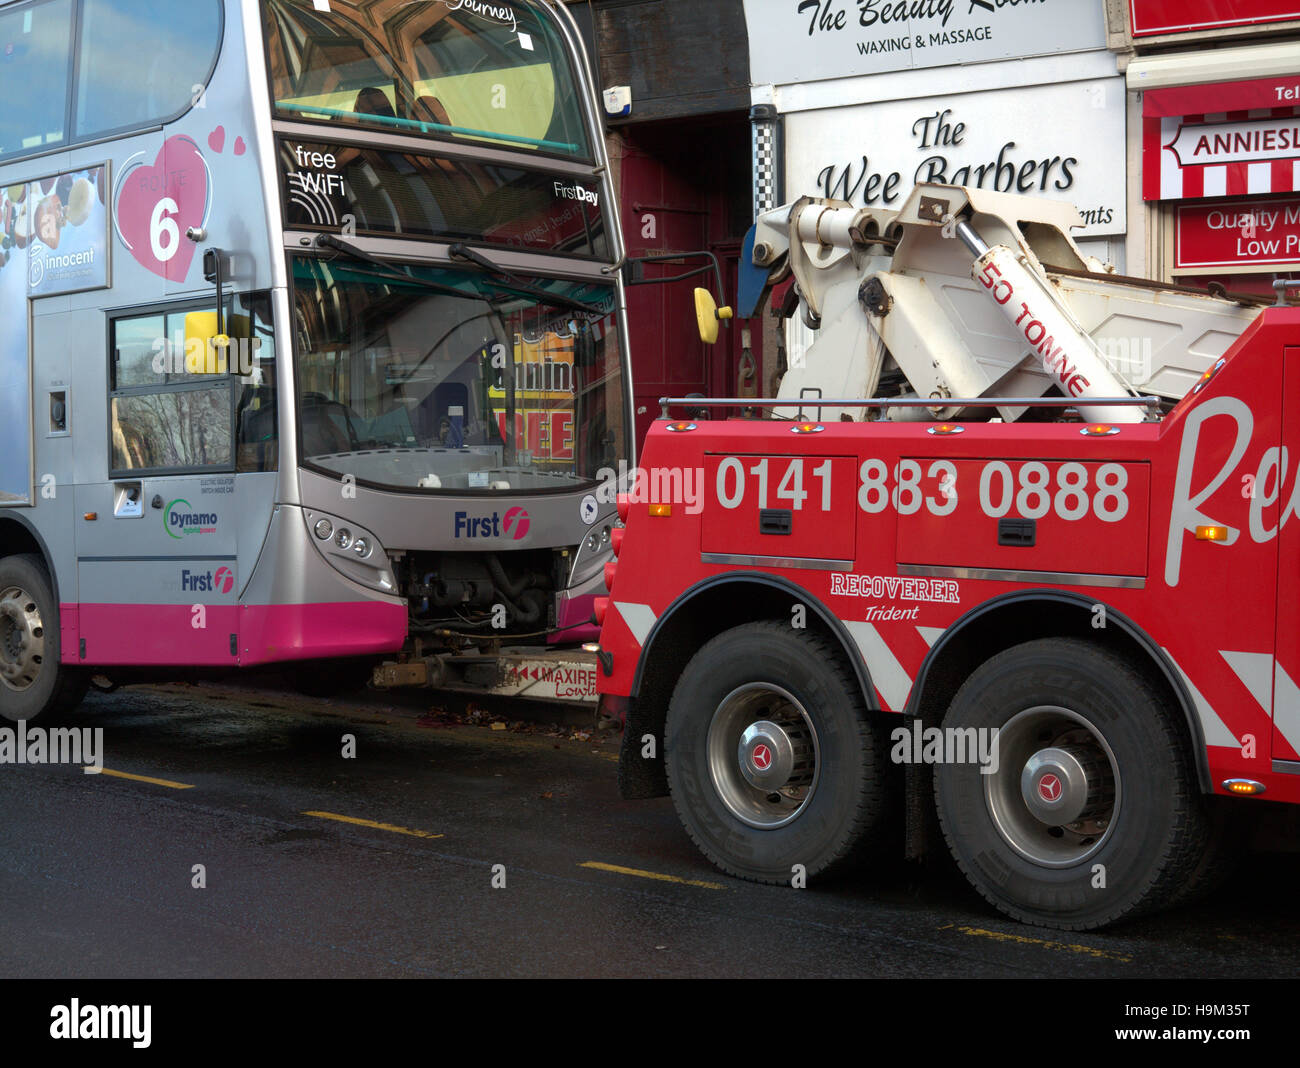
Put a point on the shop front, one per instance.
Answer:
(1215, 88)
(860, 101)
(1221, 171)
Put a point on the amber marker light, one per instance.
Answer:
(1210, 373)
(1099, 430)
(807, 428)
(681, 428)
(1208, 533)
(661, 510)
(1246, 787)
(945, 428)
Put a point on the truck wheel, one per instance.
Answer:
(33, 680)
(1093, 812)
(770, 757)
(1221, 853)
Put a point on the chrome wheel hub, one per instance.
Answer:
(1057, 796)
(22, 639)
(774, 757)
(1065, 785)
(763, 755)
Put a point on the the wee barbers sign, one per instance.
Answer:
(941, 135)
(807, 40)
(1058, 141)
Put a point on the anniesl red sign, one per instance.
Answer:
(1221, 139)
(1178, 16)
(1261, 233)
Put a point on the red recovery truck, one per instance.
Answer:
(1075, 642)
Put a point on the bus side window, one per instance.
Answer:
(183, 41)
(164, 418)
(257, 437)
(35, 41)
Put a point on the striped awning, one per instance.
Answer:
(1221, 139)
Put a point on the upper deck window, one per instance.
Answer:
(35, 56)
(139, 64)
(166, 76)
(493, 72)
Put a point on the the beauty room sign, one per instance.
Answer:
(808, 40)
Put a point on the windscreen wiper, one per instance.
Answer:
(468, 255)
(388, 270)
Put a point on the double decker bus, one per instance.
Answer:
(312, 341)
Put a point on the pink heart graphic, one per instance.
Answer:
(157, 204)
(217, 139)
(240, 147)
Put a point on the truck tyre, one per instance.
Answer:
(33, 679)
(771, 759)
(1224, 846)
(1093, 813)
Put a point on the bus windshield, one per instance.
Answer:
(489, 72)
(441, 379)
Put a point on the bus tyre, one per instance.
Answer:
(33, 679)
(1093, 813)
(771, 759)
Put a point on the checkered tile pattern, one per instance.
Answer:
(767, 166)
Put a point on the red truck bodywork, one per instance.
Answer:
(906, 538)
(1220, 616)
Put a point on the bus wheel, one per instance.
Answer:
(33, 680)
(770, 756)
(1090, 811)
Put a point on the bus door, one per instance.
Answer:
(156, 540)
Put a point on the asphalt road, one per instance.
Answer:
(98, 871)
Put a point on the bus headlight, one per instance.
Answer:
(351, 550)
(594, 551)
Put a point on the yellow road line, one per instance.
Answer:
(649, 875)
(1072, 947)
(373, 824)
(147, 778)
